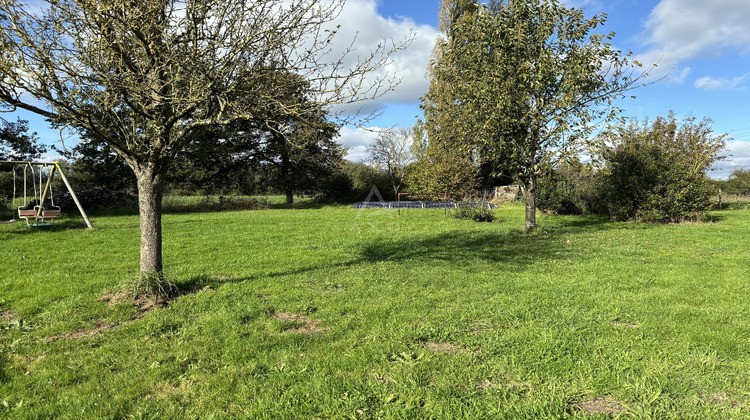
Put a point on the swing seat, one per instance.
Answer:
(39, 217)
(27, 214)
(51, 214)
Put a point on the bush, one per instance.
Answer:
(337, 188)
(657, 172)
(571, 189)
(466, 211)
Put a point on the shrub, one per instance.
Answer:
(337, 188)
(467, 211)
(657, 172)
(571, 189)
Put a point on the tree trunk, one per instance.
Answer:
(150, 192)
(289, 195)
(530, 195)
(286, 172)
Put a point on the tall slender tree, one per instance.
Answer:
(524, 82)
(143, 76)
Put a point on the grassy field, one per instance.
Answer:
(344, 313)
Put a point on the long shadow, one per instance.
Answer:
(60, 225)
(514, 249)
(517, 251)
(570, 224)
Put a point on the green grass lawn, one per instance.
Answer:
(344, 313)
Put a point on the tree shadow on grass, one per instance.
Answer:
(516, 249)
(20, 227)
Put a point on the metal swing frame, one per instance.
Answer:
(39, 213)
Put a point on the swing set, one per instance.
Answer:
(41, 215)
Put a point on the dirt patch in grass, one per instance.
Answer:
(601, 405)
(444, 348)
(617, 323)
(723, 400)
(7, 317)
(99, 328)
(166, 390)
(297, 323)
(145, 304)
(480, 327)
(493, 384)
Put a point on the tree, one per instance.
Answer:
(656, 171)
(572, 187)
(453, 123)
(95, 164)
(144, 76)
(420, 140)
(16, 143)
(359, 179)
(299, 149)
(523, 83)
(442, 171)
(303, 160)
(738, 182)
(233, 158)
(391, 152)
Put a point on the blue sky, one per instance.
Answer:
(702, 49)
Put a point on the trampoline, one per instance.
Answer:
(421, 204)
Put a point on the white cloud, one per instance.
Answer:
(357, 140)
(710, 83)
(738, 156)
(361, 22)
(681, 30)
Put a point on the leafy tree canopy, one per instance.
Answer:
(146, 76)
(16, 143)
(523, 82)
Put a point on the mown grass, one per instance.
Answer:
(344, 313)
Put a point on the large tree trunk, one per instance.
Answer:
(150, 192)
(289, 195)
(530, 196)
